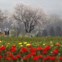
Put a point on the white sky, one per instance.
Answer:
(50, 6)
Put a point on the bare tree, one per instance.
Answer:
(29, 16)
(2, 18)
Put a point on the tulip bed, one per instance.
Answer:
(43, 49)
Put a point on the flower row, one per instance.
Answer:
(31, 54)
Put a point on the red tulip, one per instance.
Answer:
(53, 58)
(18, 56)
(36, 58)
(14, 58)
(29, 56)
(45, 52)
(47, 48)
(1, 57)
(13, 49)
(40, 57)
(33, 53)
(60, 58)
(10, 55)
(39, 48)
(2, 48)
(56, 51)
(47, 58)
(24, 50)
(33, 50)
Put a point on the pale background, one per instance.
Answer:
(49, 6)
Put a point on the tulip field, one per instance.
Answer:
(37, 49)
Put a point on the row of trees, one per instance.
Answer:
(31, 18)
(53, 31)
(26, 19)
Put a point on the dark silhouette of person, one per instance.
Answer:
(6, 31)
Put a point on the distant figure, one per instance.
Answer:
(6, 31)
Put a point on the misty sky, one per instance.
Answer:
(49, 6)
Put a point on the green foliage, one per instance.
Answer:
(35, 40)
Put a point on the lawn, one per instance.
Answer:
(36, 49)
